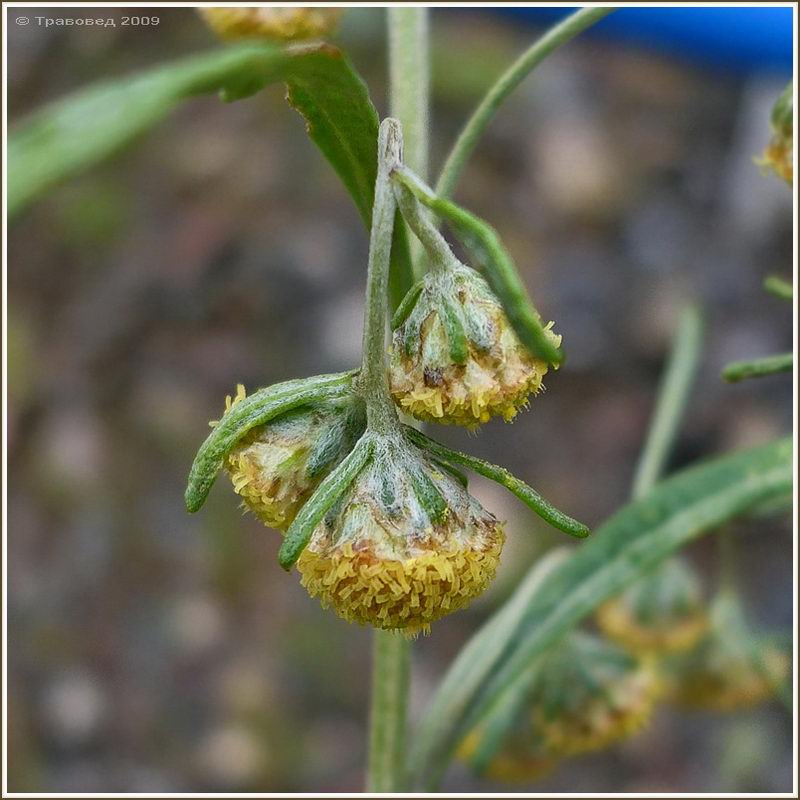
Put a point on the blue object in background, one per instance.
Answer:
(734, 39)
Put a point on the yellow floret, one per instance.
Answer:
(406, 594)
(271, 23)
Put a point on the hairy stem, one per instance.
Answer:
(391, 670)
(760, 368)
(673, 394)
(409, 76)
(508, 81)
(381, 414)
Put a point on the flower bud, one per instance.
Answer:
(591, 693)
(660, 613)
(275, 467)
(405, 544)
(455, 357)
(271, 23)
(730, 669)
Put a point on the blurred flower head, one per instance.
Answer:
(591, 693)
(404, 546)
(663, 612)
(778, 155)
(455, 357)
(271, 23)
(521, 757)
(731, 667)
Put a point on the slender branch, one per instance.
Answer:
(381, 414)
(508, 81)
(673, 394)
(439, 252)
(760, 368)
(391, 670)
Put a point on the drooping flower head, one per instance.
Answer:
(405, 545)
(589, 694)
(662, 612)
(271, 23)
(275, 467)
(731, 668)
(455, 357)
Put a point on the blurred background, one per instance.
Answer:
(153, 651)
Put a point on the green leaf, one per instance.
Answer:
(407, 304)
(643, 533)
(477, 659)
(548, 512)
(324, 497)
(72, 134)
(489, 255)
(81, 130)
(260, 407)
(759, 368)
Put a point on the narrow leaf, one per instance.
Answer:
(477, 659)
(324, 497)
(456, 338)
(760, 368)
(531, 498)
(779, 287)
(73, 134)
(643, 533)
(489, 254)
(429, 497)
(258, 408)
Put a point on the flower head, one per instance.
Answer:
(455, 357)
(275, 467)
(405, 545)
(271, 23)
(521, 758)
(589, 694)
(730, 668)
(660, 613)
(778, 154)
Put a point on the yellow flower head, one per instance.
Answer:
(778, 155)
(590, 694)
(520, 759)
(455, 357)
(404, 546)
(271, 23)
(660, 613)
(275, 467)
(730, 669)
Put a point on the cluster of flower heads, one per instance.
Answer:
(376, 517)
(660, 641)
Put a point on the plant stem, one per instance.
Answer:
(409, 76)
(409, 81)
(508, 81)
(673, 394)
(391, 656)
(381, 414)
